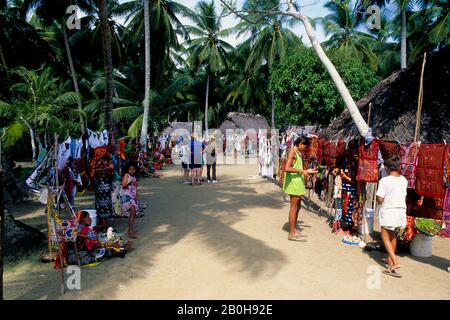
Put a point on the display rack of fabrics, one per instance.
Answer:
(358, 164)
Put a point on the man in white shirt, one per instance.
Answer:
(391, 195)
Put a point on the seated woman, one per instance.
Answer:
(90, 248)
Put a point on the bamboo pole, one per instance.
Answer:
(61, 262)
(420, 100)
(370, 113)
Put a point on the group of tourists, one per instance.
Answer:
(194, 154)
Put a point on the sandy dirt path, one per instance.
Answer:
(229, 241)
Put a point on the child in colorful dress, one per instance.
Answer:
(130, 193)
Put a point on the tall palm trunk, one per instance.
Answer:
(107, 56)
(273, 111)
(403, 41)
(74, 75)
(359, 121)
(145, 120)
(207, 99)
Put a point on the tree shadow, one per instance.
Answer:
(208, 212)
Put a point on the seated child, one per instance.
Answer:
(90, 248)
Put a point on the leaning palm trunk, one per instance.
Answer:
(74, 75)
(206, 101)
(403, 41)
(33, 144)
(145, 119)
(360, 123)
(107, 56)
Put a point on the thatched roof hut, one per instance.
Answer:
(394, 104)
(178, 125)
(305, 130)
(244, 121)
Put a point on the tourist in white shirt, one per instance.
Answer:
(391, 195)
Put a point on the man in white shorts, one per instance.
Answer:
(391, 195)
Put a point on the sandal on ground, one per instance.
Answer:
(385, 261)
(297, 238)
(392, 272)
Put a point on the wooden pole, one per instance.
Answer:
(2, 233)
(420, 100)
(370, 113)
(61, 261)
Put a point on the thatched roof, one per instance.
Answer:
(244, 121)
(305, 130)
(395, 104)
(178, 125)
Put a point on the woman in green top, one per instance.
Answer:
(294, 183)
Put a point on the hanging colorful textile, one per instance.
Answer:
(391, 149)
(410, 229)
(333, 153)
(429, 174)
(409, 163)
(368, 162)
(313, 148)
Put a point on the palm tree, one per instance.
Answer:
(19, 40)
(270, 40)
(208, 50)
(48, 12)
(157, 18)
(41, 103)
(342, 24)
(245, 87)
(107, 55)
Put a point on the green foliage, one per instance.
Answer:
(41, 104)
(304, 92)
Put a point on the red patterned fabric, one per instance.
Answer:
(313, 149)
(391, 149)
(367, 170)
(333, 153)
(409, 163)
(369, 152)
(431, 156)
(368, 162)
(410, 229)
(430, 175)
(430, 183)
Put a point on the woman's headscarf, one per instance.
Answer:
(99, 153)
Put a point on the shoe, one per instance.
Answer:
(214, 181)
(208, 181)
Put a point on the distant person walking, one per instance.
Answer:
(210, 152)
(294, 184)
(196, 160)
